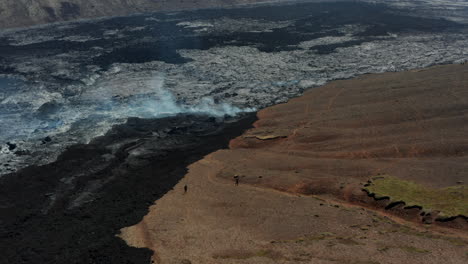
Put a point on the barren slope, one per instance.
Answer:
(302, 171)
(17, 13)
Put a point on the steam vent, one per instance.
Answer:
(212, 132)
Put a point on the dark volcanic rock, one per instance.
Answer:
(22, 152)
(69, 10)
(11, 146)
(48, 109)
(69, 211)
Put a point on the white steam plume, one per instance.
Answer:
(163, 103)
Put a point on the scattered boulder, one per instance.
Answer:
(427, 219)
(48, 109)
(46, 140)
(22, 153)
(11, 146)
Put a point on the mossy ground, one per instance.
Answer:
(450, 202)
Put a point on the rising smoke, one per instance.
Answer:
(79, 119)
(163, 103)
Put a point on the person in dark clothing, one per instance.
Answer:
(185, 188)
(237, 181)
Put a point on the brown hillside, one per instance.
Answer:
(302, 171)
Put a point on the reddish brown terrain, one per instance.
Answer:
(302, 172)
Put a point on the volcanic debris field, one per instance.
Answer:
(69, 211)
(73, 81)
(75, 169)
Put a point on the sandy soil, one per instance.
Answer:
(301, 171)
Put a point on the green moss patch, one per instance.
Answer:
(410, 249)
(450, 202)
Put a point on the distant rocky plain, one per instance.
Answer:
(102, 117)
(20, 13)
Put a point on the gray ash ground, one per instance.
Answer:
(78, 79)
(180, 75)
